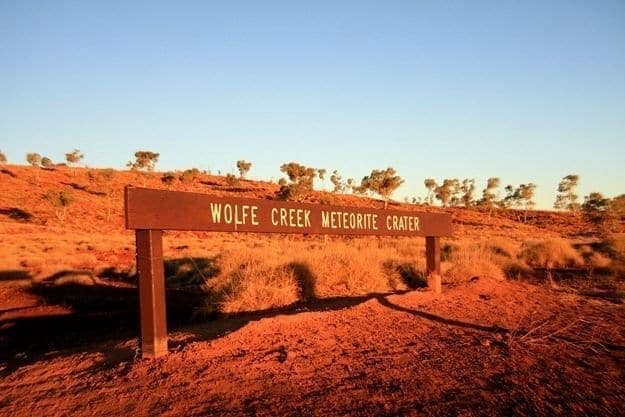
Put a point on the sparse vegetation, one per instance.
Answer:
(73, 158)
(231, 180)
(468, 190)
(470, 262)
(550, 254)
(300, 184)
(104, 178)
(243, 167)
(382, 182)
(190, 177)
(489, 194)
(60, 201)
(168, 178)
(47, 162)
(144, 164)
(430, 184)
(448, 192)
(337, 181)
(3, 158)
(520, 197)
(271, 276)
(34, 160)
(321, 172)
(567, 198)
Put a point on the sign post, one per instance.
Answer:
(150, 211)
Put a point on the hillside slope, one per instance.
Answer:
(22, 200)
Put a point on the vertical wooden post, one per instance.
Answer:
(151, 293)
(433, 262)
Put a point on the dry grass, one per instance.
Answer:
(598, 260)
(250, 272)
(615, 246)
(278, 273)
(552, 253)
(473, 260)
(248, 283)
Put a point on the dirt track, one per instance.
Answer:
(410, 354)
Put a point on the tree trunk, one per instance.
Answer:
(108, 207)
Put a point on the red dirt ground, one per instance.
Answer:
(484, 348)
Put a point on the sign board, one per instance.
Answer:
(172, 210)
(150, 211)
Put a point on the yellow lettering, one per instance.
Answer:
(254, 215)
(216, 212)
(228, 213)
(283, 216)
(325, 219)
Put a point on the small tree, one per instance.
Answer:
(144, 163)
(526, 196)
(60, 201)
(243, 167)
(596, 208)
(468, 189)
(106, 177)
(321, 172)
(520, 197)
(430, 184)
(3, 158)
(566, 199)
(618, 204)
(337, 181)
(46, 162)
(231, 180)
(382, 182)
(73, 158)
(103, 179)
(301, 179)
(448, 192)
(168, 178)
(350, 184)
(190, 176)
(511, 199)
(489, 194)
(34, 160)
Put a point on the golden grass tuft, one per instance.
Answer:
(75, 279)
(552, 253)
(470, 261)
(279, 273)
(251, 284)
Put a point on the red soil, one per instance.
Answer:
(484, 348)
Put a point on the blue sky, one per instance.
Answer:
(527, 91)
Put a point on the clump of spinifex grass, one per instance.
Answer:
(473, 260)
(278, 274)
(553, 253)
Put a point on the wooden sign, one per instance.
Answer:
(150, 211)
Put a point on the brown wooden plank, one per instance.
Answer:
(433, 262)
(151, 293)
(175, 210)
